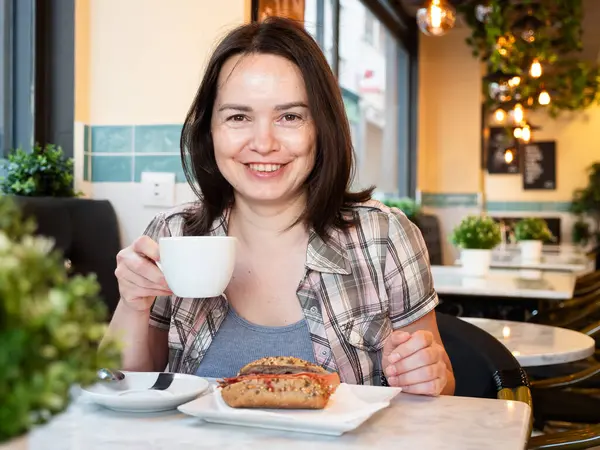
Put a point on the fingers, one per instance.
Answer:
(417, 341)
(140, 265)
(432, 388)
(395, 339)
(144, 245)
(423, 374)
(131, 291)
(124, 273)
(424, 357)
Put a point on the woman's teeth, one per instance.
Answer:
(265, 167)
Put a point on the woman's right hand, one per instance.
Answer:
(140, 280)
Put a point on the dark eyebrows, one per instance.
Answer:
(244, 108)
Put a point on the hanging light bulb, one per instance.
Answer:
(514, 81)
(500, 115)
(436, 18)
(518, 113)
(509, 156)
(526, 134)
(518, 132)
(536, 69)
(544, 98)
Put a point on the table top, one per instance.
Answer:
(413, 421)
(538, 345)
(566, 262)
(505, 283)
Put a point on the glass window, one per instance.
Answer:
(4, 77)
(370, 83)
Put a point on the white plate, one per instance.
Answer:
(348, 407)
(133, 394)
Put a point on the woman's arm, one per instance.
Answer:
(145, 347)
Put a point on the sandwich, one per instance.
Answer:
(279, 382)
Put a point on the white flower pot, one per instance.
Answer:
(475, 262)
(531, 251)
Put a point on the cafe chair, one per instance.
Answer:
(483, 367)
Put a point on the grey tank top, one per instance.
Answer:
(239, 342)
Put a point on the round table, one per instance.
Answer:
(538, 345)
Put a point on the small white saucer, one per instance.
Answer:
(133, 394)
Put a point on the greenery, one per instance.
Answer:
(405, 204)
(586, 202)
(477, 232)
(50, 327)
(499, 42)
(533, 229)
(581, 233)
(43, 172)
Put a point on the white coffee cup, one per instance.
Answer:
(197, 266)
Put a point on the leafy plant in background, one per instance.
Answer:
(533, 229)
(476, 232)
(43, 172)
(405, 204)
(586, 202)
(50, 327)
(501, 41)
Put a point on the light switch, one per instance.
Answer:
(158, 188)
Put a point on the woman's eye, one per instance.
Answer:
(237, 118)
(290, 117)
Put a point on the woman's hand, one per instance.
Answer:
(140, 280)
(415, 362)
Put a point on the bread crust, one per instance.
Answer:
(290, 361)
(301, 392)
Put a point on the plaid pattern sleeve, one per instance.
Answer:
(407, 275)
(160, 313)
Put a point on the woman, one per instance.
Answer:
(321, 273)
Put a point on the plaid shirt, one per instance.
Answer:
(360, 285)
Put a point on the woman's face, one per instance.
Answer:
(262, 130)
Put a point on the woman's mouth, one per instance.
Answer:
(265, 170)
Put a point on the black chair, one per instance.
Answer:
(483, 367)
(86, 231)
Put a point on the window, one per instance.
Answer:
(369, 26)
(17, 23)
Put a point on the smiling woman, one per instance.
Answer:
(321, 273)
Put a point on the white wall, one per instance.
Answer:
(140, 62)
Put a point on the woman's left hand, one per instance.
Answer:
(415, 362)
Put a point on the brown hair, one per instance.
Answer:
(328, 183)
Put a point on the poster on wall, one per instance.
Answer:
(292, 9)
(502, 152)
(539, 166)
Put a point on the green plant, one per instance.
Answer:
(533, 229)
(50, 327)
(586, 201)
(581, 232)
(572, 82)
(476, 232)
(43, 172)
(405, 204)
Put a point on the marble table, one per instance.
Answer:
(563, 262)
(505, 283)
(448, 423)
(538, 345)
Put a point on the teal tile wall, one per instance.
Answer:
(121, 153)
(111, 168)
(441, 200)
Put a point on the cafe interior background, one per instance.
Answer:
(451, 114)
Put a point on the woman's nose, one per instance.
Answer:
(263, 140)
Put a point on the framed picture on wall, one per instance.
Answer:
(502, 152)
(292, 9)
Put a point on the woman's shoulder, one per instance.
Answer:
(170, 222)
(374, 219)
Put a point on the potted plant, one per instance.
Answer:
(586, 204)
(50, 327)
(405, 204)
(43, 172)
(531, 233)
(476, 236)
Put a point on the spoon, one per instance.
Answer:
(110, 375)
